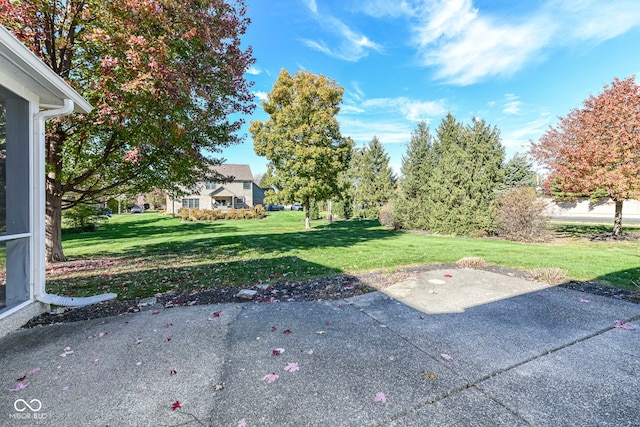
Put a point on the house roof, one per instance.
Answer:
(221, 192)
(25, 68)
(238, 172)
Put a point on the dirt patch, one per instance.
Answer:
(326, 288)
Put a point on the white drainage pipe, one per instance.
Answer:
(40, 292)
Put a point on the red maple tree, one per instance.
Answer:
(595, 150)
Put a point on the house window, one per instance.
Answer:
(246, 185)
(210, 185)
(15, 200)
(191, 203)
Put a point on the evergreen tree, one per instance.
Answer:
(465, 177)
(518, 172)
(375, 181)
(410, 209)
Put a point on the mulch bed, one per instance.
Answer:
(328, 288)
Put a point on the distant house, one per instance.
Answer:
(239, 193)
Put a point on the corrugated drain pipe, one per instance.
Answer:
(40, 292)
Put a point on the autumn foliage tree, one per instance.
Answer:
(302, 139)
(166, 79)
(595, 150)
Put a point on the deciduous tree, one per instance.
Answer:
(302, 139)
(594, 150)
(167, 82)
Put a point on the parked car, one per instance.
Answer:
(296, 207)
(272, 207)
(137, 209)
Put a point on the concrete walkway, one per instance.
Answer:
(448, 347)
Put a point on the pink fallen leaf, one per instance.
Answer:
(20, 386)
(22, 378)
(101, 334)
(169, 338)
(273, 329)
(582, 300)
(292, 367)
(380, 397)
(138, 340)
(270, 377)
(242, 423)
(172, 372)
(214, 315)
(448, 276)
(446, 357)
(67, 351)
(539, 294)
(192, 303)
(65, 388)
(96, 362)
(310, 352)
(287, 331)
(622, 325)
(176, 405)
(155, 312)
(34, 370)
(277, 351)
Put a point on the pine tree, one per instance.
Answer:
(465, 177)
(410, 209)
(375, 181)
(518, 172)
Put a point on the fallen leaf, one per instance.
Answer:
(429, 375)
(270, 377)
(448, 276)
(446, 357)
(242, 423)
(21, 378)
(172, 372)
(67, 351)
(292, 367)
(169, 338)
(273, 329)
(34, 370)
(310, 352)
(20, 386)
(218, 387)
(622, 325)
(96, 362)
(380, 397)
(155, 312)
(277, 351)
(65, 388)
(583, 300)
(539, 294)
(287, 331)
(101, 334)
(138, 340)
(176, 405)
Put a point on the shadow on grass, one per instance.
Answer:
(626, 279)
(136, 281)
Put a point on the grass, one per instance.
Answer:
(140, 255)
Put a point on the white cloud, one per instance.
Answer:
(349, 45)
(262, 96)
(388, 131)
(411, 109)
(466, 44)
(512, 104)
(254, 71)
(382, 8)
(311, 4)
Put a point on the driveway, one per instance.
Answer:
(447, 347)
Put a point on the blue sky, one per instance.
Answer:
(517, 64)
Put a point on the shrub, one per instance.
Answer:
(83, 218)
(520, 215)
(196, 214)
(552, 276)
(471, 262)
(386, 216)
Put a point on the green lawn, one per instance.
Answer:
(139, 255)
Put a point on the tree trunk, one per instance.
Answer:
(53, 205)
(330, 211)
(617, 220)
(307, 224)
(53, 226)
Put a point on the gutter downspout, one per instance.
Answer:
(40, 292)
